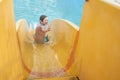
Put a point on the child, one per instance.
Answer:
(42, 29)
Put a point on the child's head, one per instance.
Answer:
(43, 19)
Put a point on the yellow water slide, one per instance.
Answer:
(51, 59)
(91, 53)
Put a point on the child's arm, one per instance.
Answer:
(49, 28)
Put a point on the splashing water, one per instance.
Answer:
(46, 63)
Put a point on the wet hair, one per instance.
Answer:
(42, 17)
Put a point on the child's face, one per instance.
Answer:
(45, 21)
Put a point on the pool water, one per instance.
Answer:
(32, 9)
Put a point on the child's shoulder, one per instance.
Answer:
(38, 26)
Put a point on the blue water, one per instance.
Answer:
(65, 9)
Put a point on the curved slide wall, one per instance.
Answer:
(97, 54)
(10, 63)
(99, 41)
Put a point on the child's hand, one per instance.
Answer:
(49, 27)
